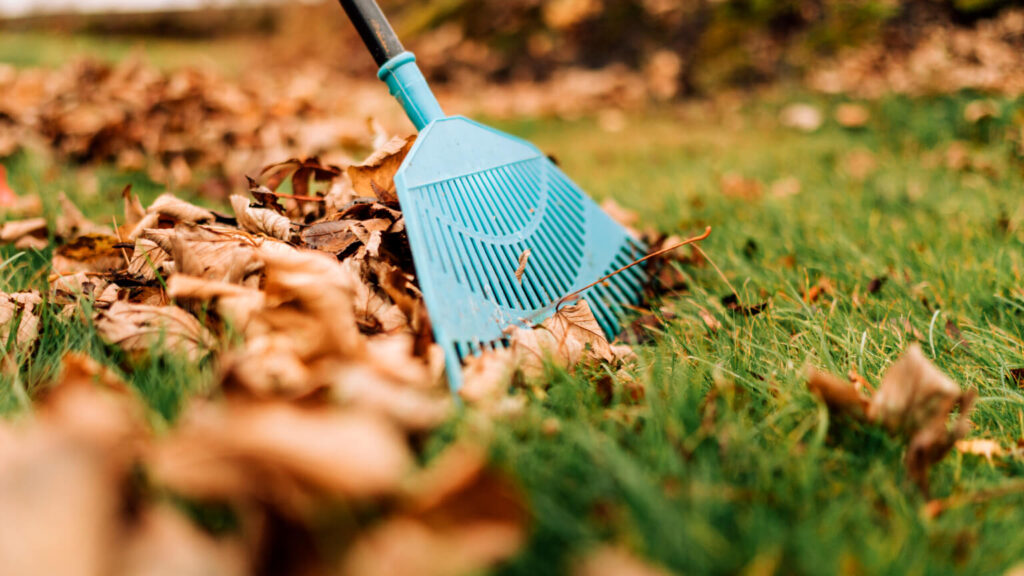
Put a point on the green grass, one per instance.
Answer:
(728, 465)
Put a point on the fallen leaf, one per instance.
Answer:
(175, 209)
(577, 334)
(274, 448)
(710, 321)
(802, 117)
(786, 187)
(615, 561)
(852, 115)
(460, 517)
(978, 110)
(260, 220)
(521, 269)
(19, 307)
(140, 328)
(375, 176)
(988, 449)
(737, 186)
(97, 253)
(840, 396)
(164, 542)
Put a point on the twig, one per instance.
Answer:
(563, 299)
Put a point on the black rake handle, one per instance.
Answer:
(374, 29)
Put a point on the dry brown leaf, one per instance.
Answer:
(914, 394)
(97, 253)
(232, 301)
(15, 230)
(987, 449)
(60, 503)
(72, 223)
(460, 518)
(334, 236)
(19, 307)
(133, 209)
(521, 268)
(627, 218)
(609, 561)
(148, 260)
(737, 186)
(840, 396)
(914, 402)
(225, 452)
(177, 210)
(852, 115)
(213, 253)
(802, 117)
(578, 335)
(487, 377)
(164, 542)
(140, 328)
(375, 176)
(709, 320)
(260, 220)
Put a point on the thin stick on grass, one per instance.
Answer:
(567, 297)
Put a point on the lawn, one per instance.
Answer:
(728, 465)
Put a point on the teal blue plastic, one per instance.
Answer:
(410, 88)
(474, 200)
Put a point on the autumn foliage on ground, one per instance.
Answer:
(238, 377)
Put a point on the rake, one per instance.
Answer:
(475, 200)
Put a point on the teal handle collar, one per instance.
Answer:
(410, 88)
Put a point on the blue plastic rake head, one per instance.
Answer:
(474, 200)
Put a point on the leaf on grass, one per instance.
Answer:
(852, 115)
(140, 329)
(376, 175)
(72, 223)
(521, 269)
(737, 186)
(213, 253)
(709, 320)
(609, 561)
(821, 288)
(60, 503)
(841, 396)
(802, 117)
(98, 253)
(578, 334)
(260, 220)
(164, 542)
(568, 338)
(174, 209)
(914, 402)
(277, 449)
(133, 210)
(487, 377)
(987, 449)
(15, 231)
(237, 303)
(20, 307)
(460, 517)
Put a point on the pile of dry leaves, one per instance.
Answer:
(309, 436)
(988, 57)
(176, 123)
